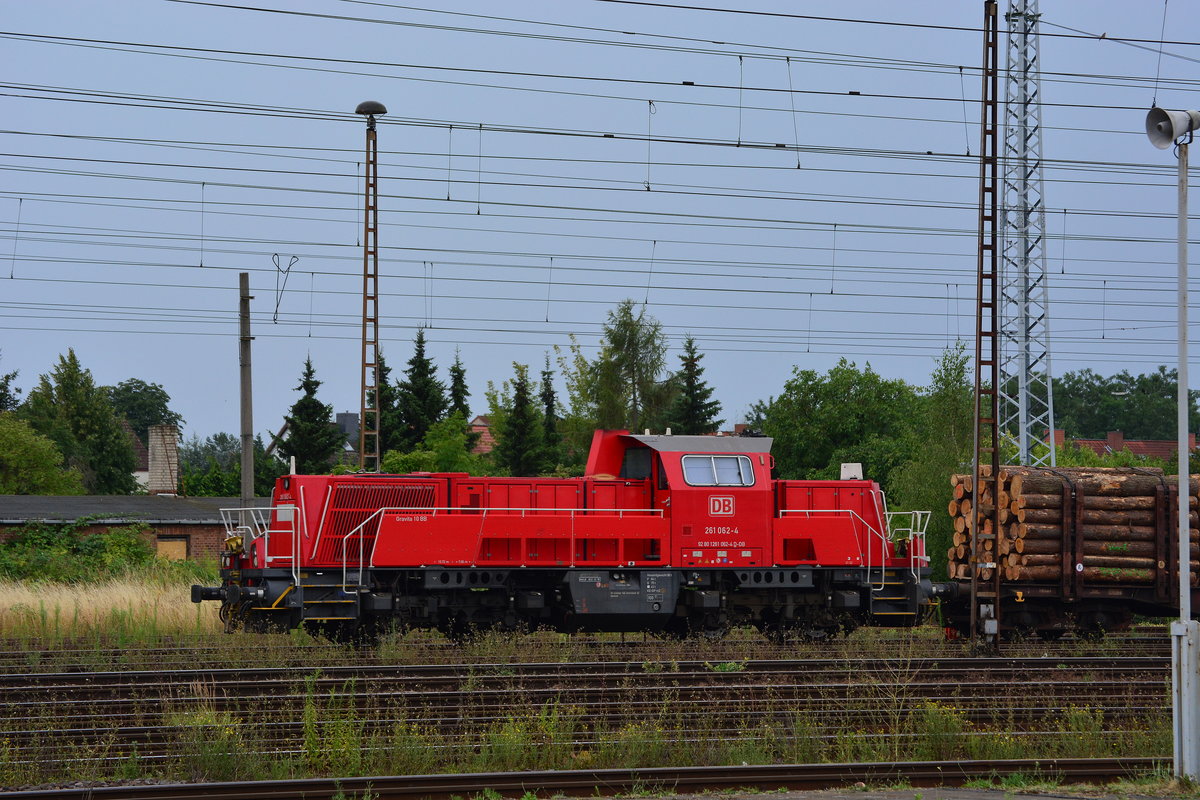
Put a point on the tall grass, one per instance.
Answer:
(129, 608)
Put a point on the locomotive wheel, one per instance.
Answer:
(458, 629)
(712, 625)
(817, 633)
(234, 616)
(338, 632)
(676, 628)
(775, 634)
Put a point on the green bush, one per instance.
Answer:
(63, 553)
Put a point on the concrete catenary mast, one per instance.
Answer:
(1026, 391)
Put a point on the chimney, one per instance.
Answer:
(1116, 441)
(164, 459)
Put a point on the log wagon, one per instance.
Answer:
(1078, 549)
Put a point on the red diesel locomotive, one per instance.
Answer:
(670, 533)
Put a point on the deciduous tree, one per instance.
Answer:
(143, 404)
(819, 421)
(631, 369)
(941, 440)
(444, 449)
(223, 448)
(10, 396)
(580, 420)
(313, 438)
(68, 408)
(30, 463)
(221, 476)
(1088, 405)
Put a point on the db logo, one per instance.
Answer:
(720, 506)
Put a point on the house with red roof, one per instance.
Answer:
(1163, 449)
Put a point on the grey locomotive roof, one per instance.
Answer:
(16, 509)
(707, 444)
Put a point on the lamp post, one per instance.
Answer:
(1165, 128)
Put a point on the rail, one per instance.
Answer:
(618, 782)
(483, 513)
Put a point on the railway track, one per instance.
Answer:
(101, 712)
(609, 782)
(244, 650)
(111, 716)
(595, 673)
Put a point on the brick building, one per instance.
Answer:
(182, 527)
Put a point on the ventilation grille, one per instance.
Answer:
(353, 503)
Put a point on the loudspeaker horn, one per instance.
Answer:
(1164, 127)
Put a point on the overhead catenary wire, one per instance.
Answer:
(606, 222)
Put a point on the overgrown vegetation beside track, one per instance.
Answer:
(80, 604)
(319, 727)
(57, 584)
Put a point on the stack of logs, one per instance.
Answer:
(1118, 525)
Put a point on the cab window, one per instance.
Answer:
(636, 464)
(718, 471)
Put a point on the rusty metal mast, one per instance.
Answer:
(985, 571)
(368, 419)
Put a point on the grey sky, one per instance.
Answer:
(146, 176)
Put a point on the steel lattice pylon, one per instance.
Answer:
(1026, 390)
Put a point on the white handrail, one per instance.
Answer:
(846, 511)
(255, 524)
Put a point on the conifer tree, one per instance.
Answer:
(421, 398)
(390, 424)
(313, 438)
(68, 408)
(519, 438)
(458, 402)
(551, 438)
(458, 389)
(694, 411)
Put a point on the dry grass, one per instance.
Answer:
(118, 607)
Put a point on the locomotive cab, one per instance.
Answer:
(715, 490)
